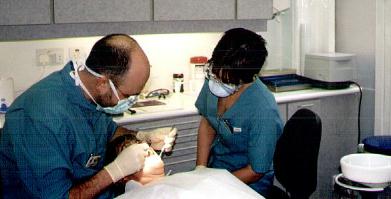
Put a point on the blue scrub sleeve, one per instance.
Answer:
(43, 154)
(265, 130)
(111, 128)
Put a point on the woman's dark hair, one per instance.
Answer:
(111, 55)
(238, 56)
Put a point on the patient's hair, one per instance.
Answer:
(117, 145)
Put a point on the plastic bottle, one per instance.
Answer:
(3, 106)
(178, 82)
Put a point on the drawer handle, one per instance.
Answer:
(305, 105)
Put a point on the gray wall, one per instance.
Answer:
(356, 33)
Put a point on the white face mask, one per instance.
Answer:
(220, 89)
(217, 87)
(120, 107)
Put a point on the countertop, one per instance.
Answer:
(178, 105)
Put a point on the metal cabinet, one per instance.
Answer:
(339, 137)
(339, 134)
(76, 11)
(75, 18)
(283, 112)
(254, 9)
(23, 12)
(183, 156)
(172, 10)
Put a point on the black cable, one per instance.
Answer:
(359, 112)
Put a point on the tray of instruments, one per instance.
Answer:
(289, 82)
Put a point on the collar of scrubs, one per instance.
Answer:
(230, 112)
(74, 92)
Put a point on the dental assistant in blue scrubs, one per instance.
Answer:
(55, 134)
(240, 122)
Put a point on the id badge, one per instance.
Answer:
(92, 161)
(237, 129)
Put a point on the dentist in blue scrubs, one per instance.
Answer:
(240, 122)
(55, 134)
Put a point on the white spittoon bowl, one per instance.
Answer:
(367, 168)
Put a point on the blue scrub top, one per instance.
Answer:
(246, 134)
(50, 132)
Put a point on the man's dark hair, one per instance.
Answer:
(238, 56)
(111, 55)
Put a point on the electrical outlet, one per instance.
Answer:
(77, 54)
(49, 57)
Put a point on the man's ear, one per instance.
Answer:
(102, 85)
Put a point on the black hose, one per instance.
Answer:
(359, 112)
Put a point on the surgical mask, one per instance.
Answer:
(120, 107)
(220, 89)
(217, 87)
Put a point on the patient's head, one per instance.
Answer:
(153, 165)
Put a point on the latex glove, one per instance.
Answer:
(129, 161)
(153, 170)
(159, 137)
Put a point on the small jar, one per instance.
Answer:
(197, 76)
(197, 67)
(177, 82)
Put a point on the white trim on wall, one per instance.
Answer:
(383, 68)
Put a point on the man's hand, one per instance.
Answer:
(129, 161)
(159, 137)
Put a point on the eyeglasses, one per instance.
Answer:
(112, 86)
(158, 93)
(114, 89)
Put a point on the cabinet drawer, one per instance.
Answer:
(180, 155)
(187, 132)
(184, 166)
(24, 12)
(172, 10)
(76, 11)
(181, 145)
(313, 105)
(186, 137)
(254, 9)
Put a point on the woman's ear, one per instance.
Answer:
(102, 85)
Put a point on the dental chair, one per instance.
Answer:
(296, 156)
